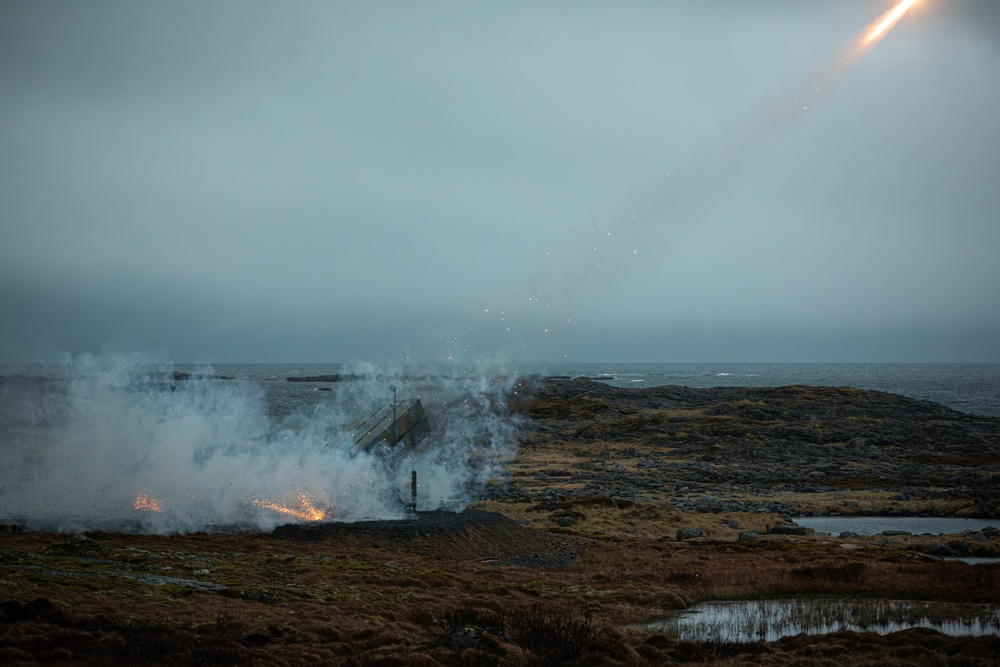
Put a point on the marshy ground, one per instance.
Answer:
(569, 556)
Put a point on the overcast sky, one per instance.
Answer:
(583, 181)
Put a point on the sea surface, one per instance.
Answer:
(972, 388)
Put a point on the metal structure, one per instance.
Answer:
(396, 422)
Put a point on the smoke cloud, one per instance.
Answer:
(645, 229)
(113, 441)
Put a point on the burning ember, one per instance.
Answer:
(303, 508)
(147, 503)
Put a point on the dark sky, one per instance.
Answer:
(587, 181)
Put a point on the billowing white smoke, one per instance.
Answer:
(114, 442)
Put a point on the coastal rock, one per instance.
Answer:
(689, 533)
(784, 529)
(335, 377)
(708, 505)
(939, 549)
(180, 376)
(959, 547)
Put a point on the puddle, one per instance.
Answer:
(874, 525)
(974, 560)
(770, 620)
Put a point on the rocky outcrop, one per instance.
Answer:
(732, 449)
(689, 533)
(335, 377)
(180, 376)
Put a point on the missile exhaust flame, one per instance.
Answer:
(826, 77)
(888, 21)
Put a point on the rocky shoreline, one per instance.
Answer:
(733, 449)
(742, 463)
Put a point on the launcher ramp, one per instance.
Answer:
(403, 422)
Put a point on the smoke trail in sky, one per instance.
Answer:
(676, 203)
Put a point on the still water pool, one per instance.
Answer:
(875, 525)
(770, 620)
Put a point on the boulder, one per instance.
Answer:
(708, 505)
(689, 533)
(939, 549)
(959, 547)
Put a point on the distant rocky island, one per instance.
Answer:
(335, 377)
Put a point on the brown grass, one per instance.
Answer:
(65, 600)
(288, 602)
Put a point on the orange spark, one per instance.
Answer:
(303, 508)
(889, 20)
(147, 503)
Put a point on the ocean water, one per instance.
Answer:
(972, 388)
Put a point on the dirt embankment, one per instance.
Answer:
(472, 535)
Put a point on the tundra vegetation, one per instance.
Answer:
(621, 507)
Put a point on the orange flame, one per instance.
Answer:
(889, 20)
(147, 503)
(304, 508)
